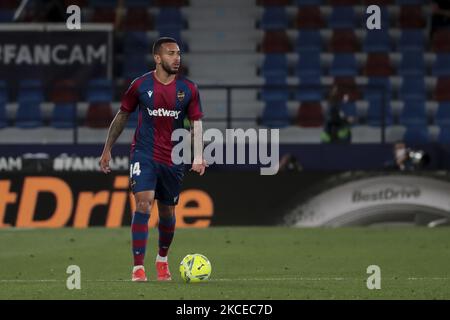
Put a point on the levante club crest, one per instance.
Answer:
(180, 95)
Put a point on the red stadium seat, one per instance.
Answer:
(344, 41)
(411, 17)
(378, 65)
(309, 17)
(310, 114)
(442, 92)
(99, 115)
(170, 3)
(273, 2)
(347, 86)
(104, 15)
(441, 41)
(64, 91)
(276, 42)
(137, 19)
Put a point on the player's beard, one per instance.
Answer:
(166, 67)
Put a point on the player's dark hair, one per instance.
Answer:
(161, 41)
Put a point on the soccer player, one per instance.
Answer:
(163, 99)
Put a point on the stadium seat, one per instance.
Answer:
(342, 17)
(274, 90)
(32, 90)
(169, 18)
(309, 92)
(169, 3)
(176, 34)
(136, 42)
(411, 16)
(441, 66)
(378, 64)
(349, 109)
(3, 116)
(308, 2)
(343, 41)
(274, 18)
(310, 114)
(409, 2)
(309, 17)
(440, 41)
(9, 4)
(442, 89)
(272, 3)
(309, 64)
(64, 115)
(379, 2)
(275, 65)
(413, 88)
(103, 3)
(442, 116)
(275, 115)
(374, 114)
(343, 65)
(138, 3)
(412, 39)
(385, 18)
(377, 41)
(276, 42)
(416, 135)
(377, 87)
(28, 113)
(99, 115)
(134, 66)
(6, 15)
(347, 86)
(414, 113)
(64, 91)
(444, 135)
(99, 90)
(412, 64)
(104, 15)
(137, 19)
(344, 2)
(308, 40)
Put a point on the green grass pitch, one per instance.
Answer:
(247, 263)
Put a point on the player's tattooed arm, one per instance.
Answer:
(199, 164)
(115, 129)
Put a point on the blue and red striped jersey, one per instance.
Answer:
(162, 109)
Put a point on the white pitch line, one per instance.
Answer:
(229, 280)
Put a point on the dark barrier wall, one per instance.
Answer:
(310, 157)
(82, 200)
(230, 198)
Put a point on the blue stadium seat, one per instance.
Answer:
(138, 3)
(308, 40)
(441, 66)
(411, 39)
(309, 64)
(416, 135)
(103, 3)
(342, 17)
(375, 113)
(444, 135)
(413, 88)
(99, 90)
(344, 65)
(309, 2)
(31, 89)
(6, 16)
(134, 66)
(274, 18)
(136, 42)
(64, 115)
(442, 116)
(176, 34)
(270, 94)
(275, 115)
(385, 19)
(414, 113)
(29, 113)
(169, 18)
(274, 65)
(312, 80)
(412, 64)
(376, 86)
(309, 92)
(349, 109)
(3, 117)
(377, 41)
